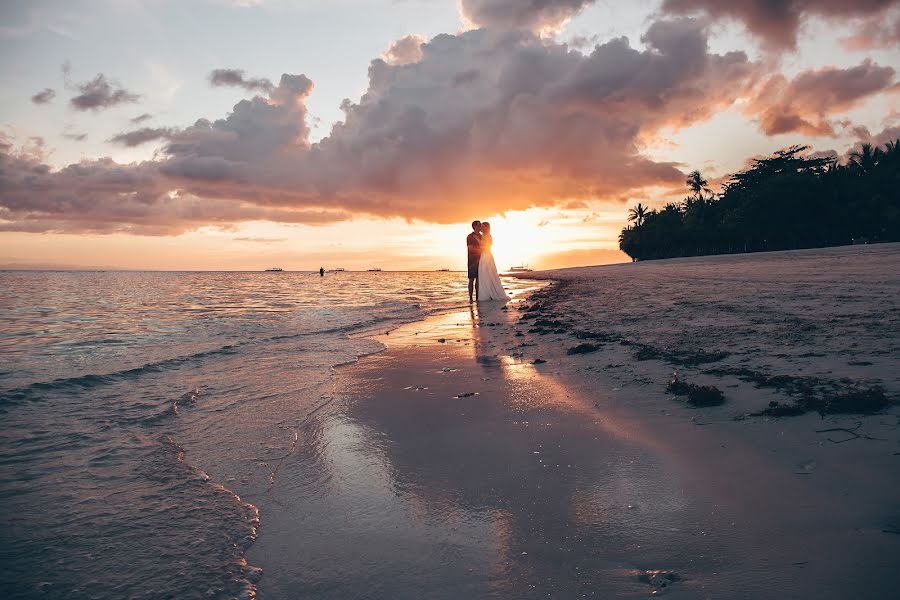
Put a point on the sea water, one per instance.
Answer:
(135, 404)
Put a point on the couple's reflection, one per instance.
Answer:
(486, 318)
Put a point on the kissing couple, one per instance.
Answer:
(483, 275)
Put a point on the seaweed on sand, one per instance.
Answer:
(857, 400)
(697, 395)
(811, 394)
(583, 349)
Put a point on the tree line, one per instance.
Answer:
(786, 201)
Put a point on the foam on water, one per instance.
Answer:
(144, 412)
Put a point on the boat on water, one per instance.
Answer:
(444, 270)
(338, 270)
(374, 270)
(520, 269)
(274, 270)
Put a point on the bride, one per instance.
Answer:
(489, 286)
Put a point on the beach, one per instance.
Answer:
(478, 456)
(371, 435)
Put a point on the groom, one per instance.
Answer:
(473, 249)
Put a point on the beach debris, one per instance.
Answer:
(697, 395)
(813, 394)
(466, 395)
(659, 580)
(442, 340)
(448, 370)
(854, 400)
(584, 348)
(682, 357)
(538, 361)
(851, 431)
(806, 467)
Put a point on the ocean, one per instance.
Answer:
(134, 404)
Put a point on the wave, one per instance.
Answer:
(242, 577)
(366, 320)
(38, 389)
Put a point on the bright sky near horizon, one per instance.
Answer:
(243, 134)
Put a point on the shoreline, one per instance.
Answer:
(736, 508)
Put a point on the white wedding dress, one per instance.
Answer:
(489, 285)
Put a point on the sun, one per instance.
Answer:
(518, 240)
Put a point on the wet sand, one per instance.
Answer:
(570, 478)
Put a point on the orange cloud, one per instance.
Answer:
(805, 103)
(481, 122)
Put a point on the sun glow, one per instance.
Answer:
(519, 240)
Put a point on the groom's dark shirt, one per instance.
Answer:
(473, 246)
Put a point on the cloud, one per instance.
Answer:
(805, 103)
(101, 196)
(406, 50)
(260, 240)
(44, 96)
(777, 22)
(888, 134)
(876, 33)
(483, 122)
(235, 78)
(140, 118)
(76, 137)
(140, 136)
(532, 15)
(100, 93)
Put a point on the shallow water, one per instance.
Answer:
(405, 489)
(137, 406)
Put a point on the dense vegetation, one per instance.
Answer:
(786, 201)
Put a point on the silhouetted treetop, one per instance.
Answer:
(783, 201)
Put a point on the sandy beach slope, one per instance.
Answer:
(476, 457)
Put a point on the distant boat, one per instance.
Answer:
(338, 270)
(274, 269)
(444, 270)
(374, 270)
(520, 269)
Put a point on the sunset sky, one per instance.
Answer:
(243, 134)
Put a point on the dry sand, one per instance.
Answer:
(577, 476)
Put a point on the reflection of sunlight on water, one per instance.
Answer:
(373, 529)
(489, 492)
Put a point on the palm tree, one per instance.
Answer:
(638, 214)
(866, 157)
(697, 184)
